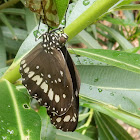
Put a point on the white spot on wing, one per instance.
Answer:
(44, 86)
(58, 119)
(61, 72)
(67, 118)
(59, 80)
(50, 94)
(24, 65)
(22, 62)
(76, 93)
(31, 73)
(57, 98)
(74, 119)
(44, 45)
(64, 95)
(26, 70)
(49, 76)
(38, 79)
(37, 67)
(29, 90)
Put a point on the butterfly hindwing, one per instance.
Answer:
(69, 120)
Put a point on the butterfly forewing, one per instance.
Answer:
(48, 79)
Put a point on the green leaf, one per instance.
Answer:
(88, 40)
(7, 23)
(17, 119)
(127, 7)
(31, 20)
(122, 22)
(2, 51)
(60, 135)
(2, 71)
(111, 85)
(124, 60)
(104, 132)
(48, 132)
(15, 11)
(61, 6)
(12, 46)
(20, 33)
(114, 112)
(83, 116)
(115, 128)
(125, 44)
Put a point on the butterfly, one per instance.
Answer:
(50, 76)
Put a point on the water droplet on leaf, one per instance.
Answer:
(100, 90)
(86, 2)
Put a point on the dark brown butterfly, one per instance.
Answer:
(50, 76)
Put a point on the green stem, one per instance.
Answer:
(98, 8)
(88, 121)
(12, 74)
(8, 4)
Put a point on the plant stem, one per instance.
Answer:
(98, 8)
(88, 121)
(8, 4)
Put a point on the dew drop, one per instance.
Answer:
(10, 131)
(112, 94)
(86, 2)
(124, 98)
(85, 61)
(90, 87)
(96, 80)
(63, 22)
(4, 137)
(100, 90)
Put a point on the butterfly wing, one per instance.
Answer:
(69, 120)
(47, 78)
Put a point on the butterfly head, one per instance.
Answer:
(63, 38)
(54, 40)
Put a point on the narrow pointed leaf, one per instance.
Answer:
(17, 119)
